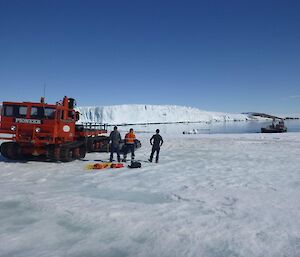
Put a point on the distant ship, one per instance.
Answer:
(275, 128)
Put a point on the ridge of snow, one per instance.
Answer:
(138, 113)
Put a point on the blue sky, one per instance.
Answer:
(231, 56)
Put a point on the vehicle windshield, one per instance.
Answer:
(36, 112)
(42, 112)
(14, 111)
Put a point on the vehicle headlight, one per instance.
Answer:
(13, 128)
(37, 130)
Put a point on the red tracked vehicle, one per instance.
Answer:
(48, 131)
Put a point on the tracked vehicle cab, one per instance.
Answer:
(39, 123)
(41, 129)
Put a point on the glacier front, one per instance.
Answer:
(138, 114)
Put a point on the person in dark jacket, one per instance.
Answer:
(156, 141)
(115, 139)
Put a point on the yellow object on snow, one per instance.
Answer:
(98, 166)
(104, 165)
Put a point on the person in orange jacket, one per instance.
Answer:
(129, 144)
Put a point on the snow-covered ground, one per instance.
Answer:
(210, 196)
(120, 114)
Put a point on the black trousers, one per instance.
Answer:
(114, 149)
(155, 149)
(129, 148)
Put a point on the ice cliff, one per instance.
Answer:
(137, 114)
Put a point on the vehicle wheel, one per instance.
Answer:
(10, 150)
(76, 153)
(90, 145)
(66, 155)
(53, 153)
(103, 144)
(82, 151)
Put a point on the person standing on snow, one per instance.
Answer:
(156, 141)
(115, 139)
(129, 144)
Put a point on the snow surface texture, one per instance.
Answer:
(125, 114)
(210, 196)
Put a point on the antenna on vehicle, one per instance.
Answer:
(44, 95)
(45, 90)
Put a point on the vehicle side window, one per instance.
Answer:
(8, 111)
(71, 115)
(49, 113)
